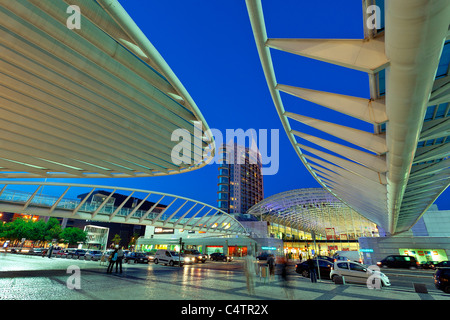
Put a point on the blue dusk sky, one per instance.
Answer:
(210, 46)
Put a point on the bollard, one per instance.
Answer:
(420, 287)
(339, 280)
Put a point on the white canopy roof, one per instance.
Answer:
(392, 174)
(98, 101)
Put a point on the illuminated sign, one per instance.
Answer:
(164, 231)
(268, 248)
(366, 250)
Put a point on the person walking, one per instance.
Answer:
(285, 280)
(119, 259)
(112, 261)
(271, 263)
(250, 272)
(312, 270)
(50, 251)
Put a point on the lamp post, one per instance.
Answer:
(317, 256)
(181, 249)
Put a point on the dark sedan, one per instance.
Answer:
(328, 258)
(136, 257)
(324, 267)
(398, 261)
(220, 257)
(77, 254)
(442, 279)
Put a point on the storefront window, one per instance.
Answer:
(237, 251)
(214, 249)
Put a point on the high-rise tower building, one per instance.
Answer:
(240, 178)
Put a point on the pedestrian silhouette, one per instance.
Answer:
(312, 270)
(285, 278)
(119, 259)
(250, 272)
(112, 261)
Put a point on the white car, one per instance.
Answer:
(93, 255)
(354, 272)
(170, 257)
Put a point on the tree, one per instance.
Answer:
(52, 230)
(73, 235)
(18, 229)
(38, 230)
(134, 239)
(116, 239)
(32, 230)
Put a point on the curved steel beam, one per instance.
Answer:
(98, 101)
(403, 59)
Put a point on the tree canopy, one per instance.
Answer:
(40, 230)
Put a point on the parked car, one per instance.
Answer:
(340, 258)
(442, 264)
(168, 257)
(93, 255)
(326, 258)
(37, 251)
(218, 256)
(398, 261)
(354, 272)
(125, 252)
(64, 253)
(106, 254)
(324, 267)
(77, 254)
(56, 250)
(264, 256)
(136, 257)
(195, 255)
(442, 279)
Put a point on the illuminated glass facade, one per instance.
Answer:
(313, 219)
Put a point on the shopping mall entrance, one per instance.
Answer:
(293, 248)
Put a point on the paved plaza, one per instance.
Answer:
(38, 278)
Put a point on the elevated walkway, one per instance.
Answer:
(164, 210)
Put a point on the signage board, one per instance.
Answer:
(159, 230)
